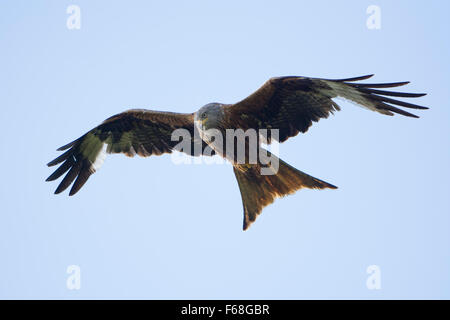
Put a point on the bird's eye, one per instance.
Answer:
(203, 115)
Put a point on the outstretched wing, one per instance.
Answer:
(141, 132)
(292, 104)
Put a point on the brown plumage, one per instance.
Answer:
(258, 191)
(142, 132)
(288, 104)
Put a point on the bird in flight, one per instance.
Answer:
(288, 105)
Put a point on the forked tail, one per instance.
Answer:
(258, 191)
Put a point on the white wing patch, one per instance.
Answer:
(340, 98)
(351, 95)
(100, 158)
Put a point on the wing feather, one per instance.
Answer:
(291, 104)
(142, 132)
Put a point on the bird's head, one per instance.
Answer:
(209, 116)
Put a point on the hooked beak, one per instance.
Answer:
(201, 122)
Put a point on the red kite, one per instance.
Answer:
(288, 104)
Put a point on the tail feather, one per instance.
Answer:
(258, 191)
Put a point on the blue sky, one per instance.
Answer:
(146, 228)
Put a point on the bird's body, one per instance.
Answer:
(280, 109)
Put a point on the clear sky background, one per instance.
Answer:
(146, 228)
